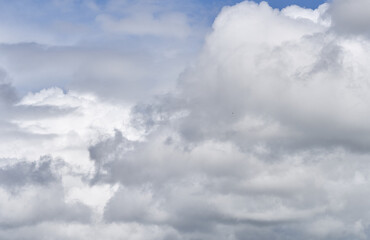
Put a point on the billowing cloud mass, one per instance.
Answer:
(130, 130)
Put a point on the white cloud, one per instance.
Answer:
(274, 138)
(68, 135)
(266, 135)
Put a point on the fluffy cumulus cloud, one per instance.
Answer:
(263, 135)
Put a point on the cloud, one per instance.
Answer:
(350, 17)
(60, 124)
(72, 50)
(264, 136)
(167, 25)
(129, 74)
(216, 186)
(283, 90)
(32, 193)
(23, 173)
(8, 95)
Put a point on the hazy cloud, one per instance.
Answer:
(350, 17)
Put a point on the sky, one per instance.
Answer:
(313, 4)
(184, 120)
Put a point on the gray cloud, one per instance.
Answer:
(213, 187)
(350, 17)
(23, 173)
(32, 193)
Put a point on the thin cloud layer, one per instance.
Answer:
(264, 135)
